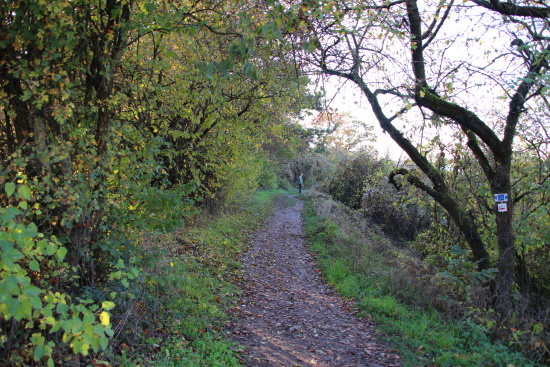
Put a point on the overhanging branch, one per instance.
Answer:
(511, 9)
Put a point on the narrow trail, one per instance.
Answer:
(288, 316)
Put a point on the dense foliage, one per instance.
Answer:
(119, 117)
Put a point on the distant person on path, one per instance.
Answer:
(300, 183)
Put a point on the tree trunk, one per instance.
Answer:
(506, 246)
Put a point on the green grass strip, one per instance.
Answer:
(421, 335)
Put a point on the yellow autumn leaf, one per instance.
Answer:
(104, 318)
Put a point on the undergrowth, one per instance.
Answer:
(395, 290)
(180, 312)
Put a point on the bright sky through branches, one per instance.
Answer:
(473, 63)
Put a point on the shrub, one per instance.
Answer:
(347, 182)
(40, 321)
(360, 182)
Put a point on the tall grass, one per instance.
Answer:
(398, 292)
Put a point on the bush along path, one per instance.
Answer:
(288, 316)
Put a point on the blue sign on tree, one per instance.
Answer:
(501, 197)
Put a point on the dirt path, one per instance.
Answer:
(288, 316)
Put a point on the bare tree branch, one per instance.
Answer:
(511, 9)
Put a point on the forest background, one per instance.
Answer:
(122, 121)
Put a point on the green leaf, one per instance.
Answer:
(34, 266)
(24, 309)
(38, 341)
(10, 188)
(24, 192)
(56, 326)
(109, 331)
(31, 231)
(171, 54)
(9, 307)
(62, 308)
(107, 305)
(88, 330)
(148, 7)
(447, 275)
(210, 70)
(457, 250)
(61, 253)
(104, 341)
(10, 284)
(225, 66)
(77, 326)
(41, 246)
(39, 352)
(31, 290)
(10, 213)
(51, 249)
(99, 330)
(89, 319)
(96, 342)
(310, 45)
(8, 261)
(80, 347)
(36, 303)
(120, 264)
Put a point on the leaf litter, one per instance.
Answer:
(287, 315)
